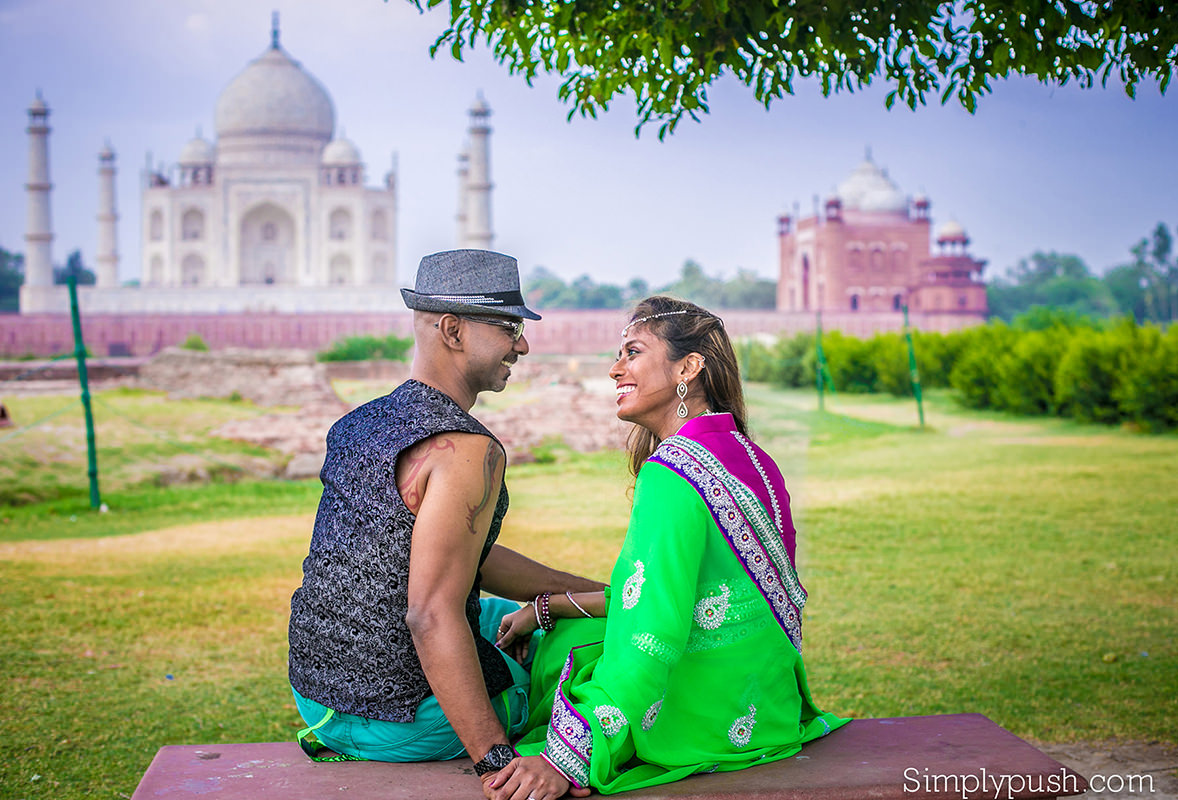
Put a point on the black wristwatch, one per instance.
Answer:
(496, 759)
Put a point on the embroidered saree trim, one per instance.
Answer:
(746, 527)
(569, 745)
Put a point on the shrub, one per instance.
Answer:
(799, 361)
(975, 371)
(194, 342)
(368, 348)
(890, 352)
(785, 362)
(1087, 377)
(1026, 375)
(756, 358)
(1148, 390)
(852, 367)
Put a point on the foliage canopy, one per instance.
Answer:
(668, 52)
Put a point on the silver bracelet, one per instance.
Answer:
(577, 605)
(535, 604)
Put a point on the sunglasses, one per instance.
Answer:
(516, 328)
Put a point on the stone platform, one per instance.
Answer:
(939, 757)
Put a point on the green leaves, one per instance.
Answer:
(665, 53)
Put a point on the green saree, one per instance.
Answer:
(699, 668)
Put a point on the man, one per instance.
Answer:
(391, 654)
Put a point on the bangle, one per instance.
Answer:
(543, 613)
(577, 605)
(535, 604)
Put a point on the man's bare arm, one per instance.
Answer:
(442, 566)
(509, 574)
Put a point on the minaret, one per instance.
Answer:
(463, 181)
(39, 230)
(478, 180)
(107, 259)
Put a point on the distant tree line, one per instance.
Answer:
(746, 290)
(1145, 288)
(12, 276)
(1045, 362)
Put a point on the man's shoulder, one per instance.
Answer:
(411, 413)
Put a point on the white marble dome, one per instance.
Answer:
(198, 151)
(951, 231)
(870, 189)
(275, 96)
(340, 153)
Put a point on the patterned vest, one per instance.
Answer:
(350, 648)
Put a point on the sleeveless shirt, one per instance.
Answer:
(350, 648)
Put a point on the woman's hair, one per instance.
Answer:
(687, 328)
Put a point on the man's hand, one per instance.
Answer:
(528, 778)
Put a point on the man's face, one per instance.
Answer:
(493, 349)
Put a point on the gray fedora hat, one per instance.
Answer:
(468, 282)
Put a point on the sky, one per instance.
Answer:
(1088, 172)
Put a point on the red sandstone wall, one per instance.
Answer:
(560, 332)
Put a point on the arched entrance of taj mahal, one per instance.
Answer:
(267, 247)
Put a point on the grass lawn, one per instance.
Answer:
(1020, 568)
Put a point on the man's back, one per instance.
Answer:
(350, 647)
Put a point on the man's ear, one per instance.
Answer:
(448, 326)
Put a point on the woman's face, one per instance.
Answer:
(646, 378)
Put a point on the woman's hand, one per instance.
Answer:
(515, 633)
(528, 778)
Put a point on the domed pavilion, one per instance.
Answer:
(276, 202)
(870, 250)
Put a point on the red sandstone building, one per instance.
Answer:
(870, 252)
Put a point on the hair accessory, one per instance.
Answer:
(641, 320)
(681, 390)
(576, 605)
(698, 312)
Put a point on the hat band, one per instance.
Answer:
(511, 298)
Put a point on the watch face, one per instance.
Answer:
(496, 759)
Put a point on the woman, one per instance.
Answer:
(700, 668)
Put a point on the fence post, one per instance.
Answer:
(820, 370)
(912, 371)
(84, 380)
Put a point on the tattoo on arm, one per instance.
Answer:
(490, 464)
(413, 462)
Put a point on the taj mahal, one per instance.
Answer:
(275, 214)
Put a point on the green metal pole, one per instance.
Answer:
(820, 367)
(84, 380)
(912, 371)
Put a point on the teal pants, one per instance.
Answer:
(429, 737)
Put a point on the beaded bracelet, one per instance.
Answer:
(543, 613)
(576, 605)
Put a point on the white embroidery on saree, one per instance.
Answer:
(632, 589)
(612, 719)
(652, 714)
(655, 647)
(711, 611)
(746, 526)
(742, 730)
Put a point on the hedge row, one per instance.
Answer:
(1112, 373)
(367, 348)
